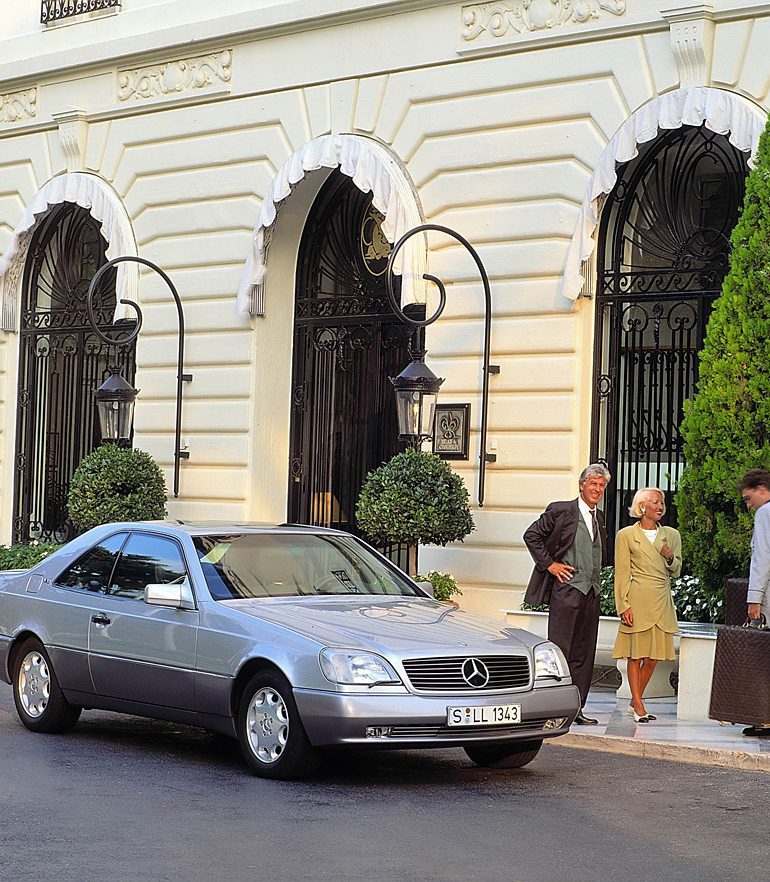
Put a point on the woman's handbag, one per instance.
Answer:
(740, 687)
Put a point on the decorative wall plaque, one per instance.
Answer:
(375, 248)
(16, 106)
(175, 77)
(498, 20)
(451, 431)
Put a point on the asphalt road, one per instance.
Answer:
(128, 800)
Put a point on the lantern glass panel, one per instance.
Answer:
(115, 419)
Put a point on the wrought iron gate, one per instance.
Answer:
(61, 364)
(663, 254)
(347, 342)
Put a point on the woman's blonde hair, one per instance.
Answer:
(635, 510)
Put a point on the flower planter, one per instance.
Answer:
(660, 683)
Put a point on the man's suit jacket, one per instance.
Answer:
(548, 540)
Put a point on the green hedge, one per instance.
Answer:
(692, 601)
(23, 556)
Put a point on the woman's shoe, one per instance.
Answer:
(632, 713)
(645, 718)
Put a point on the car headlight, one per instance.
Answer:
(353, 668)
(550, 663)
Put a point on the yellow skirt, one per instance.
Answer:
(652, 643)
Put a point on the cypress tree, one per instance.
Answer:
(726, 427)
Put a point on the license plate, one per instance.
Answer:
(484, 715)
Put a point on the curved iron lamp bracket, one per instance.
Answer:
(484, 457)
(181, 377)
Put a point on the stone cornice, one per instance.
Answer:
(296, 16)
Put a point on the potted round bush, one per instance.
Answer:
(414, 498)
(116, 484)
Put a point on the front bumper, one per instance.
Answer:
(332, 718)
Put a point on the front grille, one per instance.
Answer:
(446, 674)
(461, 732)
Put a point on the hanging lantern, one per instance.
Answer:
(115, 404)
(416, 389)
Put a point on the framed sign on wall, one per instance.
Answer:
(452, 431)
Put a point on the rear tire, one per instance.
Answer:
(272, 738)
(39, 701)
(503, 756)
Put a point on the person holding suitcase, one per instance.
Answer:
(755, 492)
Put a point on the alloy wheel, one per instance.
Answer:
(34, 684)
(267, 723)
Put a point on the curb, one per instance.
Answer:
(666, 750)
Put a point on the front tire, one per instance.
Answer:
(39, 701)
(503, 756)
(272, 738)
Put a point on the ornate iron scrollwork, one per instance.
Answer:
(663, 254)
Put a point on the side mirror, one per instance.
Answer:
(175, 596)
(428, 588)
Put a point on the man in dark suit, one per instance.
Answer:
(568, 543)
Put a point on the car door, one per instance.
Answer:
(140, 652)
(75, 595)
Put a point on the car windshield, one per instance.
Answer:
(291, 564)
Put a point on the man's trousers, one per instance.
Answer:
(573, 623)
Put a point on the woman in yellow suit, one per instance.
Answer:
(647, 556)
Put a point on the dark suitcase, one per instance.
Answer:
(740, 687)
(735, 601)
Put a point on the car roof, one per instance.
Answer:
(224, 528)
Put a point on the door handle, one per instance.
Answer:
(101, 619)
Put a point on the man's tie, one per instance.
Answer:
(594, 524)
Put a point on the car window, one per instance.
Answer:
(292, 564)
(146, 559)
(92, 570)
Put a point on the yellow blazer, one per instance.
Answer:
(642, 579)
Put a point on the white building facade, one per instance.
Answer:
(266, 155)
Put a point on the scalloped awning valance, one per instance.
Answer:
(372, 168)
(723, 112)
(104, 205)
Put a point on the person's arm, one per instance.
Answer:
(672, 543)
(623, 579)
(535, 539)
(759, 574)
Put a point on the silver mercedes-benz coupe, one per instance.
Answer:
(292, 639)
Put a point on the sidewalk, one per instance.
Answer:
(683, 741)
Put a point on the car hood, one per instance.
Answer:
(397, 625)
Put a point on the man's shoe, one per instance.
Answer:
(582, 720)
(760, 731)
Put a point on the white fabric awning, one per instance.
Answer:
(104, 205)
(725, 113)
(372, 168)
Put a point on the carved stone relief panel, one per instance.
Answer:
(174, 78)
(18, 106)
(486, 23)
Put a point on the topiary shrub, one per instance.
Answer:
(116, 484)
(726, 427)
(414, 498)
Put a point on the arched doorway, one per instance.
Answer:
(663, 254)
(61, 364)
(347, 342)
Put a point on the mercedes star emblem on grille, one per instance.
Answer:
(475, 673)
